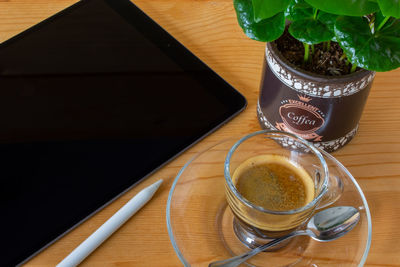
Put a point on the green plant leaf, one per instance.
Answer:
(264, 9)
(301, 10)
(379, 51)
(298, 10)
(310, 31)
(266, 30)
(329, 20)
(390, 8)
(379, 17)
(345, 7)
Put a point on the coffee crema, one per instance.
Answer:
(274, 182)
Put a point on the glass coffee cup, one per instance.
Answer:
(274, 181)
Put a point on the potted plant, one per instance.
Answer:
(321, 58)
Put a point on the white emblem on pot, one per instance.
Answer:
(301, 118)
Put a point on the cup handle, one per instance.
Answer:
(335, 190)
(335, 183)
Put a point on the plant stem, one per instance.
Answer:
(312, 49)
(372, 23)
(306, 52)
(383, 23)
(329, 45)
(353, 68)
(315, 13)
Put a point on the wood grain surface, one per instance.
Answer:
(209, 29)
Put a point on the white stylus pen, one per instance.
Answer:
(110, 226)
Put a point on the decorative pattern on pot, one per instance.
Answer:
(324, 110)
(315, 88)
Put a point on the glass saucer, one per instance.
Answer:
(200, 222)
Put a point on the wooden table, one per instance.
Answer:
(209, 29)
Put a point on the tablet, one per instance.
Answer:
(93, 100)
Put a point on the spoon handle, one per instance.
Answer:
(235, 261)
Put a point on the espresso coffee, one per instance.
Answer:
(274, 183)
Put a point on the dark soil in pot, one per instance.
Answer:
(324, 61)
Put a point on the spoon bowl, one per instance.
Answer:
(324, 226)
(332, 223)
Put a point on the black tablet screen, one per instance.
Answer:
(91, 101)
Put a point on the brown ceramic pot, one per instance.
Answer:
(322, 109)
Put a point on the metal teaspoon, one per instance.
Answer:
(324, 226)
